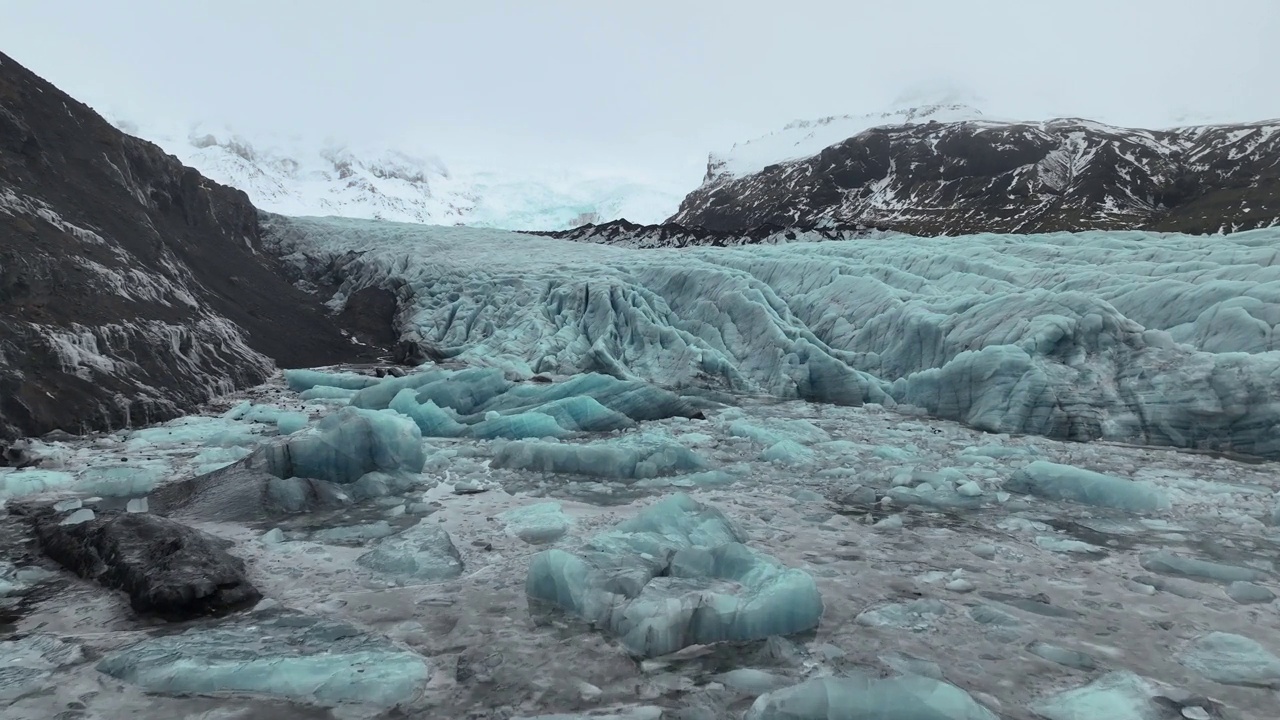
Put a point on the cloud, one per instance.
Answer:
(643, 88)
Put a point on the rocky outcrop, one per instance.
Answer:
(167, 569)
(131, 287)
(974, 175)
(667, 235)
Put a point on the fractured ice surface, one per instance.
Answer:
(1126, 336)
(675, 575)
(278, 653)
(860, 697)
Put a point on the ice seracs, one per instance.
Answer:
(1084, 337)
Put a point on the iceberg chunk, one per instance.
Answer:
(351, 442)
(277, 653)
(431, 419)
(537, 524)
(1165, 562)
(909, 697)
(1119, 695)
(1064, 482)
(599, 460)
(1233, 660)
(422, 552)
(675, 575)
(300, 380)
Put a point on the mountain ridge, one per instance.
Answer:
(973, 175)
(132, 288)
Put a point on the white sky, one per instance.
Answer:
(643, 87)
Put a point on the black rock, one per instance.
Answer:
(205, 306)
(168, 569)
(415, 352)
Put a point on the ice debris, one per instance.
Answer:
(29, 662)
(1233, 660)
(347, 444)
(277, 653)
(1119, 695)
(1064, 482)
(537, 524)
(1165, 562)
(423, 552)
(860, 697)
(675, 575)
(599, 459)
(482, 403)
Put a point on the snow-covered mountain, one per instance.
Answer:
(946, 169)
(303, 176)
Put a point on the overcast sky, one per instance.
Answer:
(645, 87)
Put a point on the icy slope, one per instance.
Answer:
(804, 138)
(298, 176)
(947, 170)
(1131, 337)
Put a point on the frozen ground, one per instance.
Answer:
(928, 566)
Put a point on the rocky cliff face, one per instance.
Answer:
(131, 287)
(970, 175)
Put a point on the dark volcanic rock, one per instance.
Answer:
(168, 569)
(131, 287)
(952, 178)
(629, 234)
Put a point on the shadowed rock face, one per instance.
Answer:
(958, 178)
(168, 569)
(131, 287)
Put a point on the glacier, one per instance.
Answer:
(1120, 336)
(295, 175)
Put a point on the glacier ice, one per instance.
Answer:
(1064, 482)
(1246, 593)
(300, 380)
(28, 481)
(1119, 695)
(349, 443)
(1167, 563)
(599, 459)
(1122, 336)
(675, 575)
(1062, 656)
(29, 662)
(860, 697)
(286, 421)
(537, 524)
(1233, 660)
(480, 402)
(281, 653)
(423, 552)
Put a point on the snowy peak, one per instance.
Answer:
(947, 170)
(300, 177)
(804, 138)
